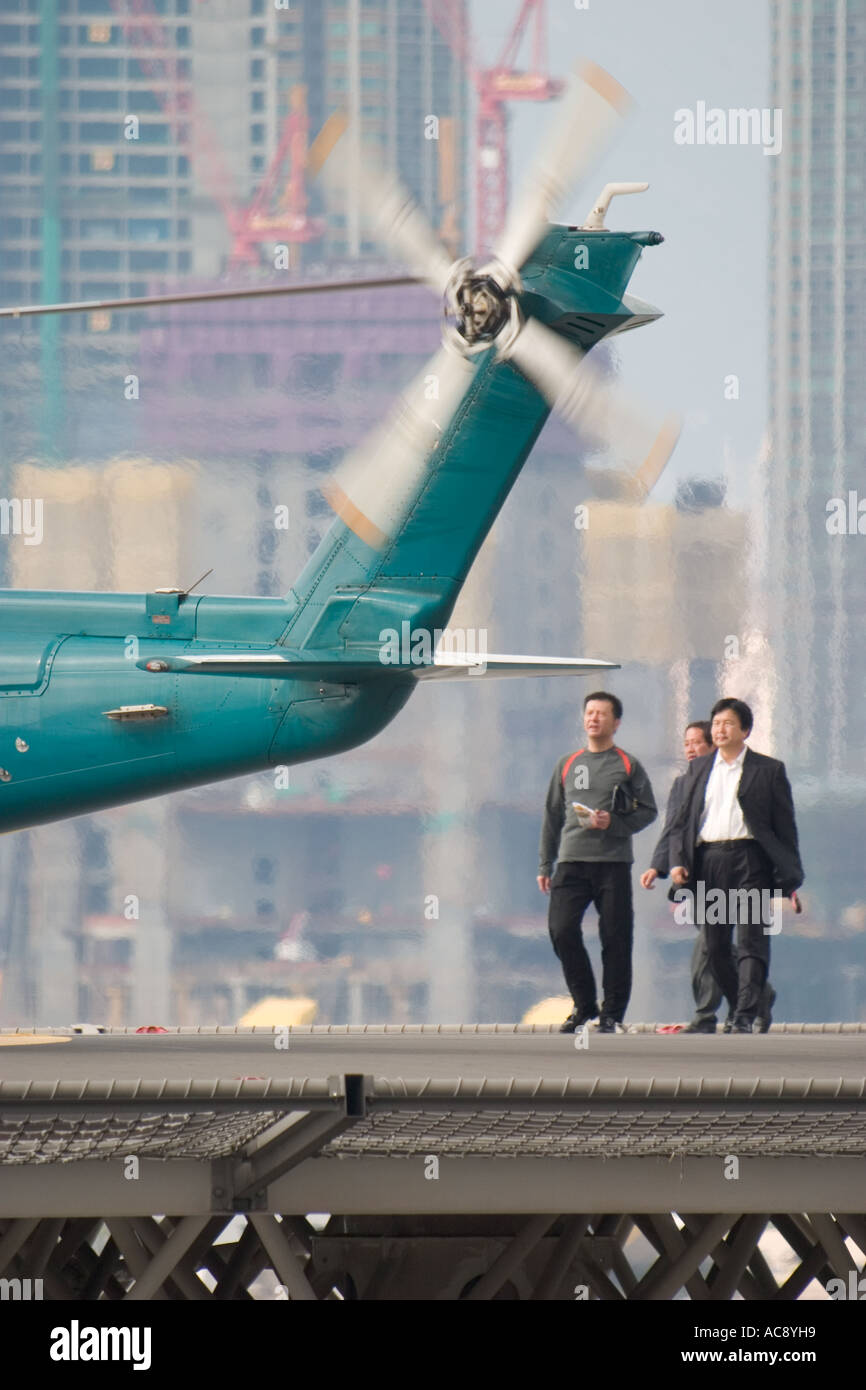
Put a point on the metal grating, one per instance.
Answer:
(36, 1139)
(631, 1133)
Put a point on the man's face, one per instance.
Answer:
(695, 745)
(598, 719)
(727, 730)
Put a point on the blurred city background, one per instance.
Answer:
(147, 145)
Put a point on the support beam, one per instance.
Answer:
(800, 1278)
(165, 1260)
(831, 1237)
(802, 1243)
(740, 1251)
(183, 1282)
(238, 1270)
(135, 1255)
(855, 1226)
(592, 1274)
(511, 1258)
(763, 1275)
(13, 1238)
(75, 1233)
(748, 1285)
(661, 1231)
(624, 1272)
(666, 1283)
(282, 1258)
(292, 1139)
(41, 1246)
(562, 1258)
(105, 1267)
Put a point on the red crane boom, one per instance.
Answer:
(495, 87)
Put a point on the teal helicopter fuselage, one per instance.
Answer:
(101, 699)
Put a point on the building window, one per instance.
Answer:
(149, 229)
(98, 130)
(263, 870)
(148, 165)
(99, 67)
(257, 134)
(99, 260)
(148, 260)
(152, 134)
(96, 99)
(98, 229)
(257, 101)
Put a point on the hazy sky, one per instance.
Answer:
(709, 202)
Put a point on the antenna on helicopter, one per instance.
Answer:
(182, 593)
(595, 220)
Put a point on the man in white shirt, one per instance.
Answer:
(736, 832)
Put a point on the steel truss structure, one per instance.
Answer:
(542, 1257)
(643, 1169)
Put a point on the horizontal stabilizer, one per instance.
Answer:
(463, 665)
(356, 666)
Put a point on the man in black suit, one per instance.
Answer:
(697, 742)
(708, 995)
(734, 842)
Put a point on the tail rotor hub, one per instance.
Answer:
(478, 308)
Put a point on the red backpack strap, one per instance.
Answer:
(569, 761)
(626, 759)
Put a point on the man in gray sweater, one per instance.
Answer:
(598, 798)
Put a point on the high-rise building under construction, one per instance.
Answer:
(815, 575)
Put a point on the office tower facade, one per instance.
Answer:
(94, 168)
(386, 64)
(133, 140)
(815, 572)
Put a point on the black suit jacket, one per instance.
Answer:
(661, 861)
(765, 798)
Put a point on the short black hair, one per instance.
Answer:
(737, 707)
(705, 727)
(613, 700)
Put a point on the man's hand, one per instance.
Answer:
(648, 878)
(543, 881)
(679, 875)
(798, 906)
(600, 820)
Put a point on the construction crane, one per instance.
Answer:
(495, 87)
(258, 221)
(288, 222)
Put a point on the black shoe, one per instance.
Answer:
(728, 1025)
(606, 1024)
(577, 1018)
(703, 1025)
(742, 1025)
(765, 1017)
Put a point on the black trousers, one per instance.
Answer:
(705, 987)
(608, 886)
(742, 972)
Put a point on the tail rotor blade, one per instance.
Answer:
(375, 484)
(393, 216)
(590, 112)
(594, 405)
